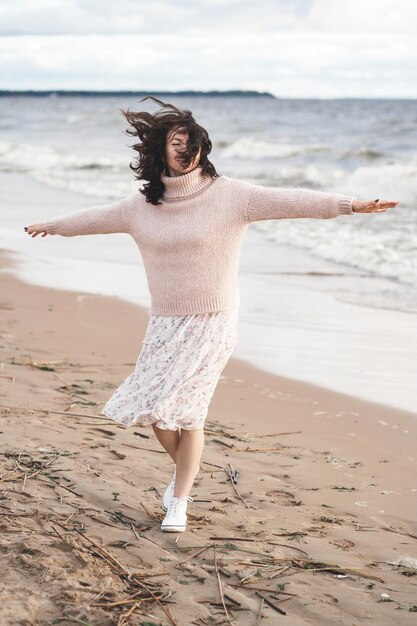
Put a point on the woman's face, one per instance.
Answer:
(175, 145)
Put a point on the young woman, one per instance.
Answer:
(189, 223)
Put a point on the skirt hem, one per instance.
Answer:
(159, 423)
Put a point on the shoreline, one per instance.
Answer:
(323, 476)
(243, 366)
(322, 335)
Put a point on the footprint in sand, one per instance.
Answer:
(284, 498)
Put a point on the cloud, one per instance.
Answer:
(58, 17)
(294, 48)
(363, 16)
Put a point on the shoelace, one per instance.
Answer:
(178, 501)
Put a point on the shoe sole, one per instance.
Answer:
(173, 529)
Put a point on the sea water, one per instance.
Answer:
(333, 302)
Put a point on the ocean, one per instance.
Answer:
(332, 302)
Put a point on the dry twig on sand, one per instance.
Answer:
(231, 474)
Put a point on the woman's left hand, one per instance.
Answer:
(372, 206)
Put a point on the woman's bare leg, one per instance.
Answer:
(169, 440)
(188, 457)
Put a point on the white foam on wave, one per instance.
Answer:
(38, 155)
(249, 148)
(72, 172)
(387, 252)
(383, 244)
(390, 181)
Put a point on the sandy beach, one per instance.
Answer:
(319, 527)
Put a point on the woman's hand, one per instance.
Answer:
(372, 206)
(36, 229)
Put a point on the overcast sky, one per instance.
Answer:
(292, 48)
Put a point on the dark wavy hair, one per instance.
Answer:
(152, 130)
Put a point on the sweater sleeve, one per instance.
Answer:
(267, 203)
(114, 217)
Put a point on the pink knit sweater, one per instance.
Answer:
(190, 244)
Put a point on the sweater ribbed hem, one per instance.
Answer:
(50, 228)
(208, 304)
(345, 205)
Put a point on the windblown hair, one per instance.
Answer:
(152, 130)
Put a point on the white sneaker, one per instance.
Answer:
(175, 521)
(169, 491)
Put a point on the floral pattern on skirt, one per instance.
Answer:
(177, 371)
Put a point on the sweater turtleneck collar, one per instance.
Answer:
(185, 185)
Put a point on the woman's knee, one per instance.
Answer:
(190, 432)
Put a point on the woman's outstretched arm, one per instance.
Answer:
(114, 217)
(266, 203)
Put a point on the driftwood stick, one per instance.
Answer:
(398, 532)
(24, 482)
(249, 576)
(279, 572)
(232, 600)
(258, 449)
(293, 432)
(103, 552)
(194, 554)
(233, 539)
(112, 558)
(220, 585)
(317, 566)
(166, 611)
(228, 445)
(63, 486)
(271, 604)
(284, 545)
(212, 464)
(134, 531)
(130, 445)
(68, 385)
(148, 511)
(260, 612)
(132, 610)
(229, 472)
(285, 593)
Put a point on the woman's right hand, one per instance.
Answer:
(36, 229)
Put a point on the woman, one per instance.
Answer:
(188, 222)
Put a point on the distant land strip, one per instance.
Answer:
(65, 92)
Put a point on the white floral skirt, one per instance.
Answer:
(176, 372)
